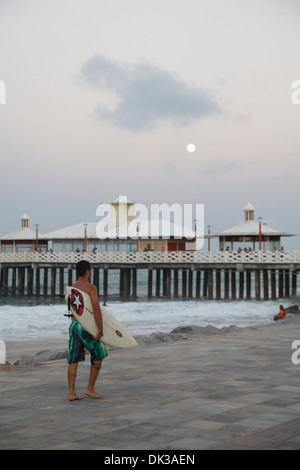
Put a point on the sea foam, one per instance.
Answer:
(28, 322)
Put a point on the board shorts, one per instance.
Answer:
(79, 339)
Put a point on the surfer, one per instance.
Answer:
(79, 338)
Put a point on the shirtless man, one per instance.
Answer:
(79, 338)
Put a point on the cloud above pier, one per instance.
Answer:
(146, 95)
(103, 97)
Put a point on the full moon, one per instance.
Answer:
(191, 148)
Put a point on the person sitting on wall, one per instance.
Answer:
(281, 315)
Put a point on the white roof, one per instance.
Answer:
(249, 207)
(122, 200)
(251, 228)
(147, 230)
(73, 232)
(21, 234)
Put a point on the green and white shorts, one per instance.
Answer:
(79, 339)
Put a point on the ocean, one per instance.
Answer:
(32, 319)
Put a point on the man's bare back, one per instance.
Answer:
(84, 285)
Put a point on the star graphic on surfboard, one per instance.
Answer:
(77, 302)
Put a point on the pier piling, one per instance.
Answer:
(211, 281)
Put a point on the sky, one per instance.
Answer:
(103, 96)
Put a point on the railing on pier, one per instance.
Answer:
(217, 257)
(215, 275)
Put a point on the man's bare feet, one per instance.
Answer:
(75, 397)
(92, 393)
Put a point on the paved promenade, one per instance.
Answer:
(231, 391)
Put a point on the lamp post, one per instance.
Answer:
(85, 227)
(195, 246)
(259, 233)
(208, 233)
(37, 237)
(264, 245)
(137, 236)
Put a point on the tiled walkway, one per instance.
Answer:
(232, 391)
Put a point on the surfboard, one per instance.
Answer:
(114, 333)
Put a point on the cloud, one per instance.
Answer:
(219, 166)
(146, 95)
(168, 168)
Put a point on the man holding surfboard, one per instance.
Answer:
(79, 338)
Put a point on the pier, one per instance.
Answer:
(261, 275)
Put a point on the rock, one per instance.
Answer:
(159, 337)
(190, 329)
(232, 329)
(178, 334)
(41, 357)
(50, 355)
(292, 309)
(154, 338)
(208, 330)
(24, 361)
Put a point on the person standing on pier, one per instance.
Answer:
(79, 338)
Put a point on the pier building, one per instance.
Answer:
(119, 231)
(263, 272)
(251, 235)
(23, 240)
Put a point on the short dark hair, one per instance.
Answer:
(82, 267)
